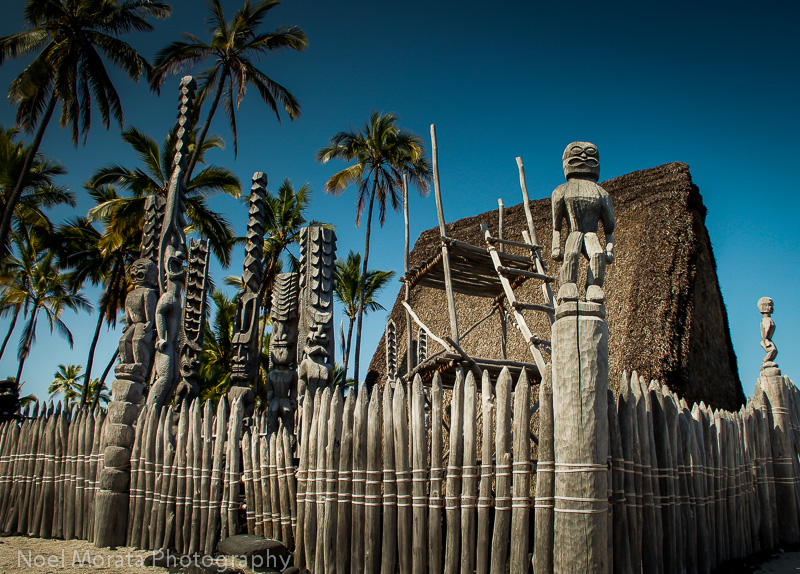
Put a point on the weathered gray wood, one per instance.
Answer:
(453, 481)
(545, 479)
(372, 500)
(332, 457)
(181, 452)
(247, 477)
(625, 412)
(137, 472)
(310, 524)
(402, 463)
(166, 515)
(437, 473)
(255, 484)
(699, 481)
(663, 466)
(233, 461)
(291, 483)
(98, 458)
(502, 520)
(485, 502)
(283, 492)
(302, 484)
(192, 517)
(622, 556)
(321, 486)
(389, 538)
(343, 514)
(469, 477)
(217, 478)
(520, 503)
(205, 473)
(419, 465)
(266, 488)
(274, 489)
(448, 282)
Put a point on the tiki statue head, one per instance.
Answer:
(581, 161)
(765, 305)
(144, 272)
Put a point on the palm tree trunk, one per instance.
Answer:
(103, 378)
(202, 137)
(8, 214)
(90, 361)
(347, 350)
(27, 342)
(362, 286)
(10, 329)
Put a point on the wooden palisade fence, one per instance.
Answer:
(49, 462)
(413, 480)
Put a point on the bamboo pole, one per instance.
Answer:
(406, 267)
(485, 502)
(453, 482)
(451, 303)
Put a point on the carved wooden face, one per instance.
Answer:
(144, 272)
(765, 305)
(581, 159)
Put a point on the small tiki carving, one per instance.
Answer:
(136, 343)
(282, 380)
(768, 364)
(584, 204)
(194, 310)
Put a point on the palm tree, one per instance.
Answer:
(67, 380)
(73, 36)
(382, 153)
(216, 366)
(347, 288)
(125, 213)
(86, 251)
(41, 288)
(39, 192)
(99, 390)
(234, 45)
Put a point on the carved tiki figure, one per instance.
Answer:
(282, 380)
(585, 204)
(194, 308)
(315, 372)
(136, 343)
(765, 306)
(168, 323)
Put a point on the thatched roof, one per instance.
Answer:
(666, 315)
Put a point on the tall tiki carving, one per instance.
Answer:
(246, 345)
(316, 348)
(152, 310)
(171, 254)
(282, 380)
(194, 311)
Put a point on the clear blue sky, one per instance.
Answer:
(712, 84)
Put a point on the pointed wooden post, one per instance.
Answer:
(406, 265)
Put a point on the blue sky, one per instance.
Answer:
(712, 84)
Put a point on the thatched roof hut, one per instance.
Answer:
(666, 315)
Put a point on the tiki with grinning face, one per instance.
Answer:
(585, 205)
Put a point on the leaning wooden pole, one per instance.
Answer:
(448, 280)
(406, 266)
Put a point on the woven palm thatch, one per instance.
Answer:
(666, 315)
